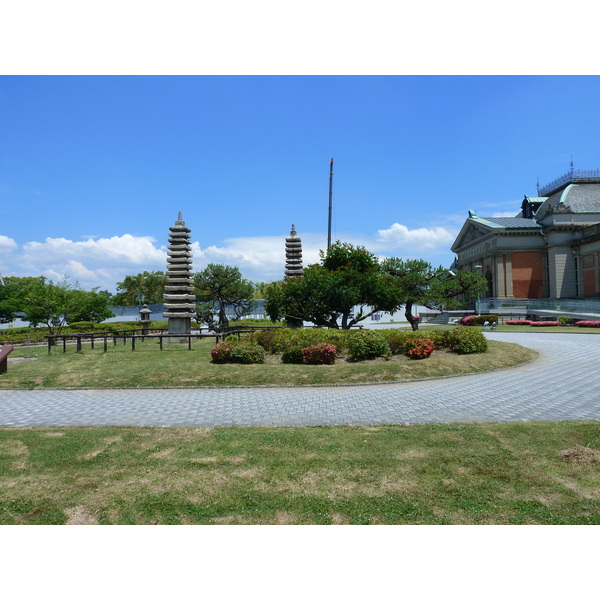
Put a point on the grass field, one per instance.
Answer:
(147, 366)
(508, 473)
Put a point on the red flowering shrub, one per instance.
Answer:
(418, 348)
(467, 320)
(232, 351)
(221, 353)
(588, 323)
(518, 322)
(545, 323)
(478, 319)
(319, 354)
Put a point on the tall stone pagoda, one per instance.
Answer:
(293, 255)
(179, 297)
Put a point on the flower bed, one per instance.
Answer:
(588, 323)
(518, 322)
(545, 323)
(319, 354)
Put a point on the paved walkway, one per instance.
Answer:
(563, 384)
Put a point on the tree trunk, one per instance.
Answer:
(414, 323)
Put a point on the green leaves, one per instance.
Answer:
(346, 288)
(223, 286)
(146, 287)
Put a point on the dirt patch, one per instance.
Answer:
(581, 455)
(13, 361)
(162, 453)
(18, 451)
(80, 515)
(107, 443)
(337, 519)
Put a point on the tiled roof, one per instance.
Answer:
(510, 222)
(579, 197)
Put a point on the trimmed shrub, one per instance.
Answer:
(319, 354)
(419, 348)
(518, 322)
(247, 354)
(479, 319)
(264, 338)
(293, 356)
(468, 341)
(367, 344)
(441, 339)
(282, 340)
(545, 323)
(588, 323)
(566, 320)
(396, 339)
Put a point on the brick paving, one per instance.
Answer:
(564, 384)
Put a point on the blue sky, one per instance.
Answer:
(94, 169)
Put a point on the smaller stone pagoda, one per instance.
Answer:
(179, 297)
(293, 255)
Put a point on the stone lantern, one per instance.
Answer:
(145, 318)
(179, 297)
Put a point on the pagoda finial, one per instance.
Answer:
(572, 165)
(538, 187)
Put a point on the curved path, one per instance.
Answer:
(563, 384)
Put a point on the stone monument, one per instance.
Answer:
(179, 297)
(293, 255)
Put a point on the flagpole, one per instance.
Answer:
(330, 203)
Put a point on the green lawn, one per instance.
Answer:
(508, 473)
(147, 366)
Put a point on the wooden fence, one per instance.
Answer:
(134, 335)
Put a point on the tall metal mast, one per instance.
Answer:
(330, 204)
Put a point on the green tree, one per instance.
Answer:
(56, 304)
(47, 303)
(346, 288)
(143, 288)
(221, 286)
(434, 287)
(88, 306)
(11, 295)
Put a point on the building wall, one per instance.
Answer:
(562, 272)
(591, 274)
(528, 275)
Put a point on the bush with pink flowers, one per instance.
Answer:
(518, 322)
(545, 323)
(319, 354)
(588, 323)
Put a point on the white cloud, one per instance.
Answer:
(415, 240)
(102, 262)
(7, 244)
(125, 249)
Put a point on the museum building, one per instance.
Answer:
(550, 249)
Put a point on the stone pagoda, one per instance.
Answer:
(179, 297)
(293, 255)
